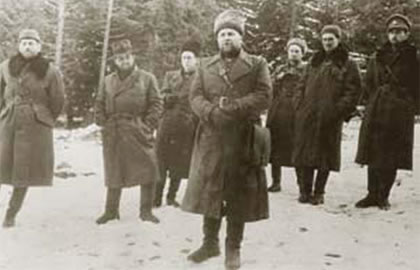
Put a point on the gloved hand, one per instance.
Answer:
(220, 119)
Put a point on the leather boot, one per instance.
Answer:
(305, 187)
(235, 231)
(371, 198)
(320, 183)
(160, 186)
(210, 247)
(112, 206)
(276, 176)
(385, 185)
(146, 202)
(15, 204)
(173, 189)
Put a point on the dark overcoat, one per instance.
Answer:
(387, 133)
(281, 116)
(30, 102)
(175, 135)
(128, 110)
(219, 171)
(330, 89)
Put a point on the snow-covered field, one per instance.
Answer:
(56, 228)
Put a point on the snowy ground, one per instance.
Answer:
(56, 228)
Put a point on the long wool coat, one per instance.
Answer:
(175, 136)
(330, 89)
(281, 116)
(129, 111)
(392, 86)
(219, 171)
(31, 98)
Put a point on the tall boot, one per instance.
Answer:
(15, 204)
(146, 203)
(298, 172)
(210, 247)
(320, 183)
(305, 186)
(371, 198)
(112, 206)
(160, 186)
(235, 231)
(385, 185)
(173, 189)
(276, 176)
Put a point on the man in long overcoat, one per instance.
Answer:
(175, 135)
(281, 116)
(31, 98)
(387, 131)
(229, 93)
(128, 108)
(330, 89)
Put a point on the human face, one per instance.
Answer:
(397, 35)
(229, 40)
(188, 61)
(294, 53)
(29, 48)
(329, 42)
(124, 61)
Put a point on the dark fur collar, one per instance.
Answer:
(339, 56)
(38, 65)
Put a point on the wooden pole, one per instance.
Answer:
(106, 41)
(60, 33)
(293, 21)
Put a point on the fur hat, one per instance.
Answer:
(121, 46)
(398, 21)
(193, 46)
(299, 42)
(29, 34)
(332, 29)
(232, 19)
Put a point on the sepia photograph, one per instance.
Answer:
(209, 134)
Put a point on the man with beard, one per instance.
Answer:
(229, 93)
(175, 136)
(128, 108)
(31, 98)
(329, 92)
(387, 133)
(281, 116)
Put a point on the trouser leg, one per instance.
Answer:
(306, 184)
(386, 181)
(320, 183)
(276, 176)
(371, 199)
(160, 186)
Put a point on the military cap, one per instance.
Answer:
(398, 21)
(29, 34)
(232, 19)
(332, 29)
(299, 42)
(121, 46)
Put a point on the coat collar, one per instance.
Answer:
(386, 55)
(242, 66)
(338, 56)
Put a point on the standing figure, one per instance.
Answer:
(281, 116)
(387, 133)
(31, 99)
(175, 136)
(330, 88)
(128, 108)
(229, 93)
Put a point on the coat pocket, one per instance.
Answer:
(43, 115)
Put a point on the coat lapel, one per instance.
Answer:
(241, 67)
(126, 84)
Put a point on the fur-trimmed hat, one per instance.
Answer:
(121, 46)
(299, 42)
(332, 29)
(193, 46)
(29, 34)
(398, 21)
(232, 19)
